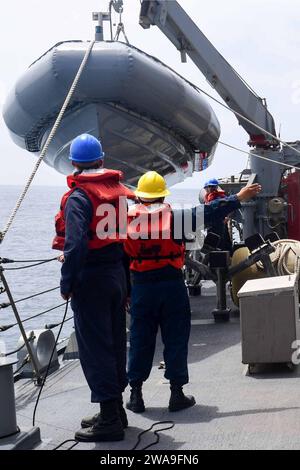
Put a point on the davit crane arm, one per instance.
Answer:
(180, 29)
(175, 23)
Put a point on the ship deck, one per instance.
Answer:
(234, 410)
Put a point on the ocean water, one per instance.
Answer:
(30, 237)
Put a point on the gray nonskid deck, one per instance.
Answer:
(233, 410)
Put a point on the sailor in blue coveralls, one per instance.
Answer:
(159, 296)
(93, 276)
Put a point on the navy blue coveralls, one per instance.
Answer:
(159, 298)
(97, 281)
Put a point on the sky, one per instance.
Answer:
(260, 38)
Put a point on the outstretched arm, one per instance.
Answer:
(190, 220)
(247, 192)
(220, 208)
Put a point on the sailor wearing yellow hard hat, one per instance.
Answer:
(159, 296)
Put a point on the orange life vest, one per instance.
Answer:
(149, 242)
(218, 194)
(106, 226)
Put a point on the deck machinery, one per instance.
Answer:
(276, 208)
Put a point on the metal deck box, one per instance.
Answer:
(269, 319)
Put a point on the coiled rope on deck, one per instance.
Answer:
(285, 257)
(48, 141)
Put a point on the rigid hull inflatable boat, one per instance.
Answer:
(147, 116)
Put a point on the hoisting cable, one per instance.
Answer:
(171, 423)
(48, 141)
(196, 87)
(258, 156)
(121, 28)
(49, 364)
(278, 139)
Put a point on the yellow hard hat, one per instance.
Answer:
(151, 186)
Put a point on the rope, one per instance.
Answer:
(13, 352)
(50, 326)
(42, 313)
(31, 337)
(172, 424)
(30, 266)
(7, 304)
(22, 365)
(7, 327)
(8, 260)
(245, 119)
(64, 442)
(285, 257)
(49, 364)
(48, 141)
(258, 156)
(11, 434)
(196, 87)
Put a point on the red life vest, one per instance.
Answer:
(149, 240)
(102, 189)
(214, 195)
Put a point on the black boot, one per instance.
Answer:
(122, 412)
(107, 427)
(89, 421)
(136, 402)
(178, 400)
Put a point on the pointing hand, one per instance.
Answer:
(248, 192)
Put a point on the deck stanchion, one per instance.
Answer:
(23, 333)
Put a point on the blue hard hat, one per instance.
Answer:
(211, 182)
(86, 148)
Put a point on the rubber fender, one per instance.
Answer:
(239, 279)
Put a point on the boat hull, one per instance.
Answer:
(146, 115)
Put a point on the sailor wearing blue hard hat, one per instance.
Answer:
(93, 275)
(86, 149)
(212, 182)
(217, 226)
